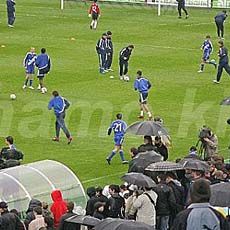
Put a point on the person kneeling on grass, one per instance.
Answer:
(60, 104)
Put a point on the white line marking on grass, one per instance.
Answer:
(200, 24)
(102, 177)
(166, 47)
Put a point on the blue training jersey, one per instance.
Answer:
(59, 104)
(207, 47)
(142, 85)
(118, 127)
(101, 46)
(29, 60)
(42, 61)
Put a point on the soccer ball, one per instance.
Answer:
(126, 78)
(44, 90)
(213, 60)
(12, 96)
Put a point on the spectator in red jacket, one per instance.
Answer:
(59, 206)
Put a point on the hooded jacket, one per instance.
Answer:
(29, 213)
(59, 206)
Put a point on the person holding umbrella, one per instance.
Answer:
(143, 85)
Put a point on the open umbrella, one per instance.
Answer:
(150, 128)
(142, 160)
(194, 164)
(220, 194)
(164, 166)
(118, 224)
(226, 101)
(83, 220)
(139, 179)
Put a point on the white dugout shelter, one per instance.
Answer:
(18, 185)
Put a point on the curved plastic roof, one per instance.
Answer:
(18, 185)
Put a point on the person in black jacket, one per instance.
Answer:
(124, 60)
(161, 148)
(91, 192)
(10, 12)
(8, 220)
(116, 202)
(67, 225)
(219, 20)
(103, 199)
(99, 210)
(109, 51)
(166, 202)
(147, 146)
(223, 62)
(29, 213)
(200, 214)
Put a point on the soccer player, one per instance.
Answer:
(29, 64)
(118, 127)
(101, 51)
(94, 12)
(223, 62)
(10, 12)
(59, 105)
(109, 51)
(43, 63)
(181, 5)
(207, 49)
(142, 85)
(219, 20)
(124, 60)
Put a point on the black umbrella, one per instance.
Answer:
(220, 194)
(139, 179)
(164, 166)
(226, 101)
(150, 128)
(83, 220)
(118, 224)
(142, 160)
(194, 164)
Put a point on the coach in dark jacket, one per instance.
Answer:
(200, 214)
(8, 221)
(10, 12)
(219, 20)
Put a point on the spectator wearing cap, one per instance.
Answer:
(39, 220)
(130, 211)
(8, 220)
(109, 51)
(200, 214)
(161, 148)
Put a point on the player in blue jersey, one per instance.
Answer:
(60, 105)
(207, 49)
(29, 64)
(118, 127)
(43, 63)
(142, 85)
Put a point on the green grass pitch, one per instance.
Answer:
(166, 49)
